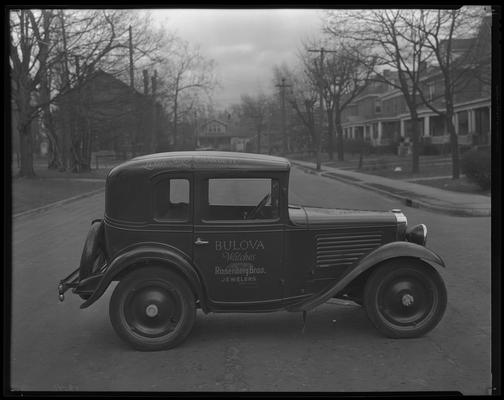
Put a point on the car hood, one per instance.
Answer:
(315, 216)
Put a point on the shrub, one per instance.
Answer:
(476, 165)
(355, 146)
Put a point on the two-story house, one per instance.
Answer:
(380, 115)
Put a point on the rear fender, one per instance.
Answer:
(383, 253)
(163, 255)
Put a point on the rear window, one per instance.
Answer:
(172, 200)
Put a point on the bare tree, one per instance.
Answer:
(54, 50)
(303, 98)
(257, 110)
(187, 74)
(456, 71)
(99, 39)
(383, 37)
(344, 77)
(29, 48)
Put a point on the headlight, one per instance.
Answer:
(417, 234)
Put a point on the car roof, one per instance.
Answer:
(204, 160)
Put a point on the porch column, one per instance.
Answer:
(427, 126)
(471, 121)
(402, 128)
(380, 129)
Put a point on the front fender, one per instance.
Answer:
(385, 252)
(149, 252)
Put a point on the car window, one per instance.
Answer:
(242, 199)
(172, 200)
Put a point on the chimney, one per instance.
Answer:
(146, 81)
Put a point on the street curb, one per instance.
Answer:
(409, 202)
(58, 203)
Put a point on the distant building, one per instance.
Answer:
(217, 135)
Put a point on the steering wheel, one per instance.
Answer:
(258, 208)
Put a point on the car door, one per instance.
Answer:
(239, 254)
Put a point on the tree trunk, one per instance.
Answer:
(25, 131)
(415, 134)
(339, 136)
(175, 106)
(54, 154)
(26, 149)
(453, 142)
(85, 158)
(330, 134)
(65, 139)
(154, 141)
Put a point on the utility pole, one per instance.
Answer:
(284, 132)
(258, 127)
(154, 137)
(321, 94)
(195, 129)
(132, 75)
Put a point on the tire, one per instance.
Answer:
(405, 298)
(152, 309)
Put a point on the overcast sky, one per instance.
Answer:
(245, 44)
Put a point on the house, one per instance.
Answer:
(114, 116)
(380, 116)
(215, 134)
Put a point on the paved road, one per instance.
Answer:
(57, 346)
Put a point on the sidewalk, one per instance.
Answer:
(412, 194)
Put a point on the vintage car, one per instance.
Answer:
(215, 231)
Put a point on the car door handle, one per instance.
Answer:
(201, 242)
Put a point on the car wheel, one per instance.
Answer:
(405, 298)
(152, 309)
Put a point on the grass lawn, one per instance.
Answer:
(33, 193)
(426, 171)
(455, 185)
(436, 167)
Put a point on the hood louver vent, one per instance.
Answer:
(345, 248)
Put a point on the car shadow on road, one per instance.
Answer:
(326, 322)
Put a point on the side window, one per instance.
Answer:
(242, 199)
(172, 200)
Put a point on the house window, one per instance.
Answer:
(463, 122)
(432, 90)
(378, 106)
(437, 125)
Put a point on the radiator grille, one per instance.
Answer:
(345, 248)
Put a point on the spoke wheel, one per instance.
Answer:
(152, 309)
(405, 298)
